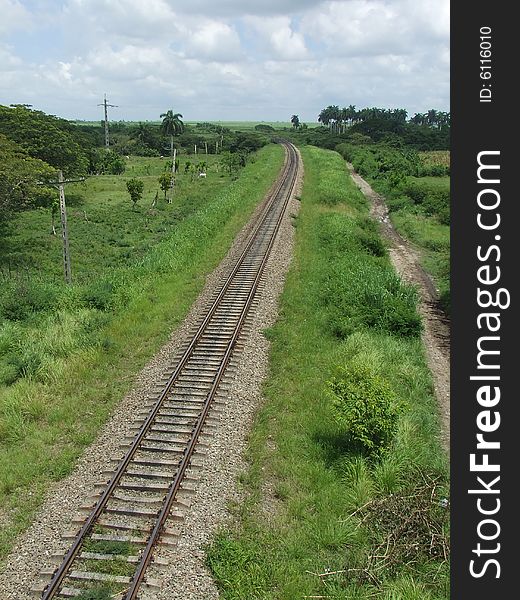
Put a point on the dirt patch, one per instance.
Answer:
(436, 335)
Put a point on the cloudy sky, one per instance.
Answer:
(223, 60)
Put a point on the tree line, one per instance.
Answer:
(338, 119)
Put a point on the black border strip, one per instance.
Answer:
(479, 126)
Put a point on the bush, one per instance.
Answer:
(22, 297)
(362, 291)
(433, 199)
(365, 407)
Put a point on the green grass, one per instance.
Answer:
(104, 230)
(235, 125)
(431, 237)
(419, 206)
(296, 532)
(435, 183)
(74, 360)
(248, 125)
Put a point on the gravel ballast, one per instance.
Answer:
(185, 577)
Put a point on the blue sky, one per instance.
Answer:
(226, 60)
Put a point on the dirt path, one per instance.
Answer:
(436, 335)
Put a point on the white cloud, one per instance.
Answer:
(14, 16)
(215, 41)
(372, 27)
(225, 60)
(279, 37)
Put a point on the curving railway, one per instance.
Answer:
(115, 543)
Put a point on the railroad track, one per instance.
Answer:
(116, 541)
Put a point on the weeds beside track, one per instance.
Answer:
(315, 510)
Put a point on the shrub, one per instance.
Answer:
(369, 238)
(433, 199)
(22, 297)
(362, 291)
(365, 407)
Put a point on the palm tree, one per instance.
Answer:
(171, 125)
(351, 112)
(295, 120)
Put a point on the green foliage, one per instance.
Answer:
(244, 142)
(63, 369)
(44, 137)
(365, 292)
(341, 234)
(165, 181)
(294, 534)
(106, 162)
(360, 289)
(365, 408)
(20, 297)
(231, 162)
(19, 177)
(380, 161)
(433, 198)
(171, 123)
(100, 294)
(135, 188)
(264, 128)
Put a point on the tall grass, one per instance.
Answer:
(313, 537)
(65, 366)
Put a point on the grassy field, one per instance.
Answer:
(247, 125)
(68, 354)
(100, 211)
(323, 514)
(234, 125)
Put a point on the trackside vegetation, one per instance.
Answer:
(70, 353)
(416, 186)
(346, 491)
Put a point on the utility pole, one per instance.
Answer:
(63, 215)
(64, 230)
(107, 143)
(172, 183)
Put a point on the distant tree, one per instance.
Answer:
(135, 188)
(264, 127)
(295, 120)
(171, 125)
(165, 181)
(230, 161)
(142, 133)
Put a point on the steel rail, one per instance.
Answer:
(147, 552)
(289, 173)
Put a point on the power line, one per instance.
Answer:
(106, 105)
